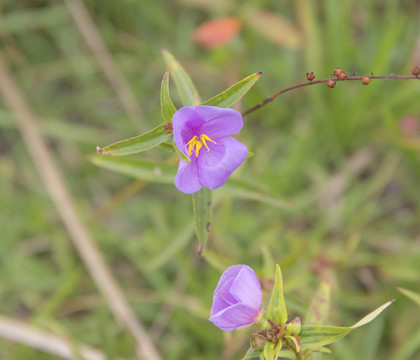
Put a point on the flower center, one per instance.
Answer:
(196, 143)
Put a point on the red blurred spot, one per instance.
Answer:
(217, 32)
(409, 125)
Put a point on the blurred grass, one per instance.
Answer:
(341, 157)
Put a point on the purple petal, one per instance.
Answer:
(246, 288)
(217, 164)
(220, 122)
(230, 273)
(186, 123)
(222, 298)
(186, 179)
(234, 317)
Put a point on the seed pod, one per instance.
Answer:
(331, 83)
(310, 76)
(365, 80)
(342, 76)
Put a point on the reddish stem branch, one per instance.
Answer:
(313, 82)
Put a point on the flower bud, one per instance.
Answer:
(416, 71)
(258, 341)
(310, 76)
(365, 80)
(337, 72)
(342, 76)
(237, 299)
(331, 83)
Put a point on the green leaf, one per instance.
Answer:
(152, 171)
(410, 294)
(167, 108)
(136, 144)
(202, 215)
(251, 353)
(316, 336)
(164, 174)
(183, 82)
(245, 190)
(271, 350)
(230, 96)
(277, 311)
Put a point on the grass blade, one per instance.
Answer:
(230, 96)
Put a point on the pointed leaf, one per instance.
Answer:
(230, 96)
(368, 318)
(136, 144)
(166, 106)
(155, 172)
(315, 336)
(183, 82)
(202, 215)
(410, 294)
(271, 350)
(277, 311)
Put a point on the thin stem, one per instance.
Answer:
(314, 82)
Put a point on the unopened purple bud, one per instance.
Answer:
(237, 299)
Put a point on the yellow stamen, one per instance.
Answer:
(198, 143)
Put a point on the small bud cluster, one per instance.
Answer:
(416, 71)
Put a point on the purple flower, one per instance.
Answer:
(237, 299)
(203, 134)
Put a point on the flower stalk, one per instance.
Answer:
(365, 79)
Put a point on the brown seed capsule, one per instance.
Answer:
(416, 71)
(331, 83)
(337, 72)
(342, 76)
(365, 80)
(310, 76)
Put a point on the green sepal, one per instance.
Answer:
(277, 311)
(271, 350)
(293, 341)
(136, 144)
(230, 96)
(251, 353)
(167, 108)
(202, 215)
(294, 327)
(185, 86)
(316, 336)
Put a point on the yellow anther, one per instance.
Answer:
(197, 143)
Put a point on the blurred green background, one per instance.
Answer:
(346, 159)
